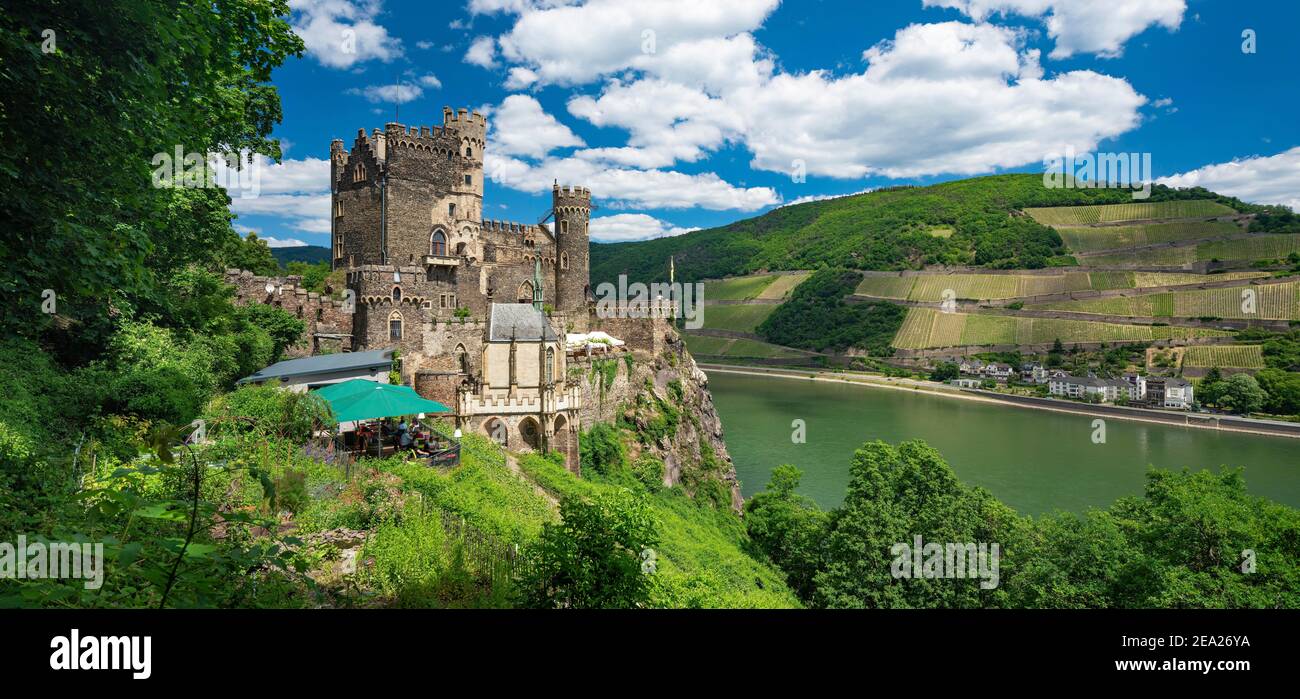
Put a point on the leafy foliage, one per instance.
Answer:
(593, 559)
(1185, 543)
(817, 317)
(126, 81)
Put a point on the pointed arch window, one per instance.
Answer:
(564, 260)
(395, 326)
(525, 292)
(550, 365)
(438, 244)
(462, 359)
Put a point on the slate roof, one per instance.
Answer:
(519, 321)
(324, 364)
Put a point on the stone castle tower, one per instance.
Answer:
(572, 210)
(408, 228)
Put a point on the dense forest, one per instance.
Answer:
(967, 222)
(818, 318)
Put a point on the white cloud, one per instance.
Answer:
(295, 191)
(284, 243)
(939, 98)
(627, 187)
(424, 45)
(667, 122)
(627, 227)
(340, 33)
(520, 78)
(430, 81)
(1271, 179)
(520, 127)
(1081, 26)
(615, 34)
(482, 52)
(389, 94)
(948, 98)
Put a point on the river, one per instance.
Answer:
(1035, 461)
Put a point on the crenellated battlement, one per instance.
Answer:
(513, 228)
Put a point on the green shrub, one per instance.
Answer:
(602, 450)
(649, 470)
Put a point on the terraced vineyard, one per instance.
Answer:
(737, 288)
(1271, 302)
(930, 288)
(1150, 257)
(1085, 239)
(1225, 356)
(1136, 211)
(892, 287)
(782, 286)
(706, 346)
(740, 318)
(926, 328)
(1260, 247)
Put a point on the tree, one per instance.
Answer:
(600, 556)
(125, 82)
(1283, 390)
(895, 494)
(1243, 395)
(789, 528)
(1212, 388)
(253, 254)
(945, 371)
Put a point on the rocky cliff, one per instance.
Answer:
(662, 403)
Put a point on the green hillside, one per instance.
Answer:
(311, 254)
(887, 229)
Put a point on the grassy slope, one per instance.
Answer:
(702, 553)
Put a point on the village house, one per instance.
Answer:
(1170, 392)
(998, 371)
(1033, 372)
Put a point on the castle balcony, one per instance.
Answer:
(441, 261)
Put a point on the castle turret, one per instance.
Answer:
(572, 207)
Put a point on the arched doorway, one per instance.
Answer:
(496, 430)
(560, 435)
(531, 432)
(438, 243)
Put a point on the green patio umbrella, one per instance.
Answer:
(368, 400)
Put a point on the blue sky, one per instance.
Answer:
(684, 114)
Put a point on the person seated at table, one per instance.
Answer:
(404, 437)
(363, 437)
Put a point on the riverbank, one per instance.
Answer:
(1221, 423)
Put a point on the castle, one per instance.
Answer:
(478, 309)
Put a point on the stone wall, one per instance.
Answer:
(327, 325)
